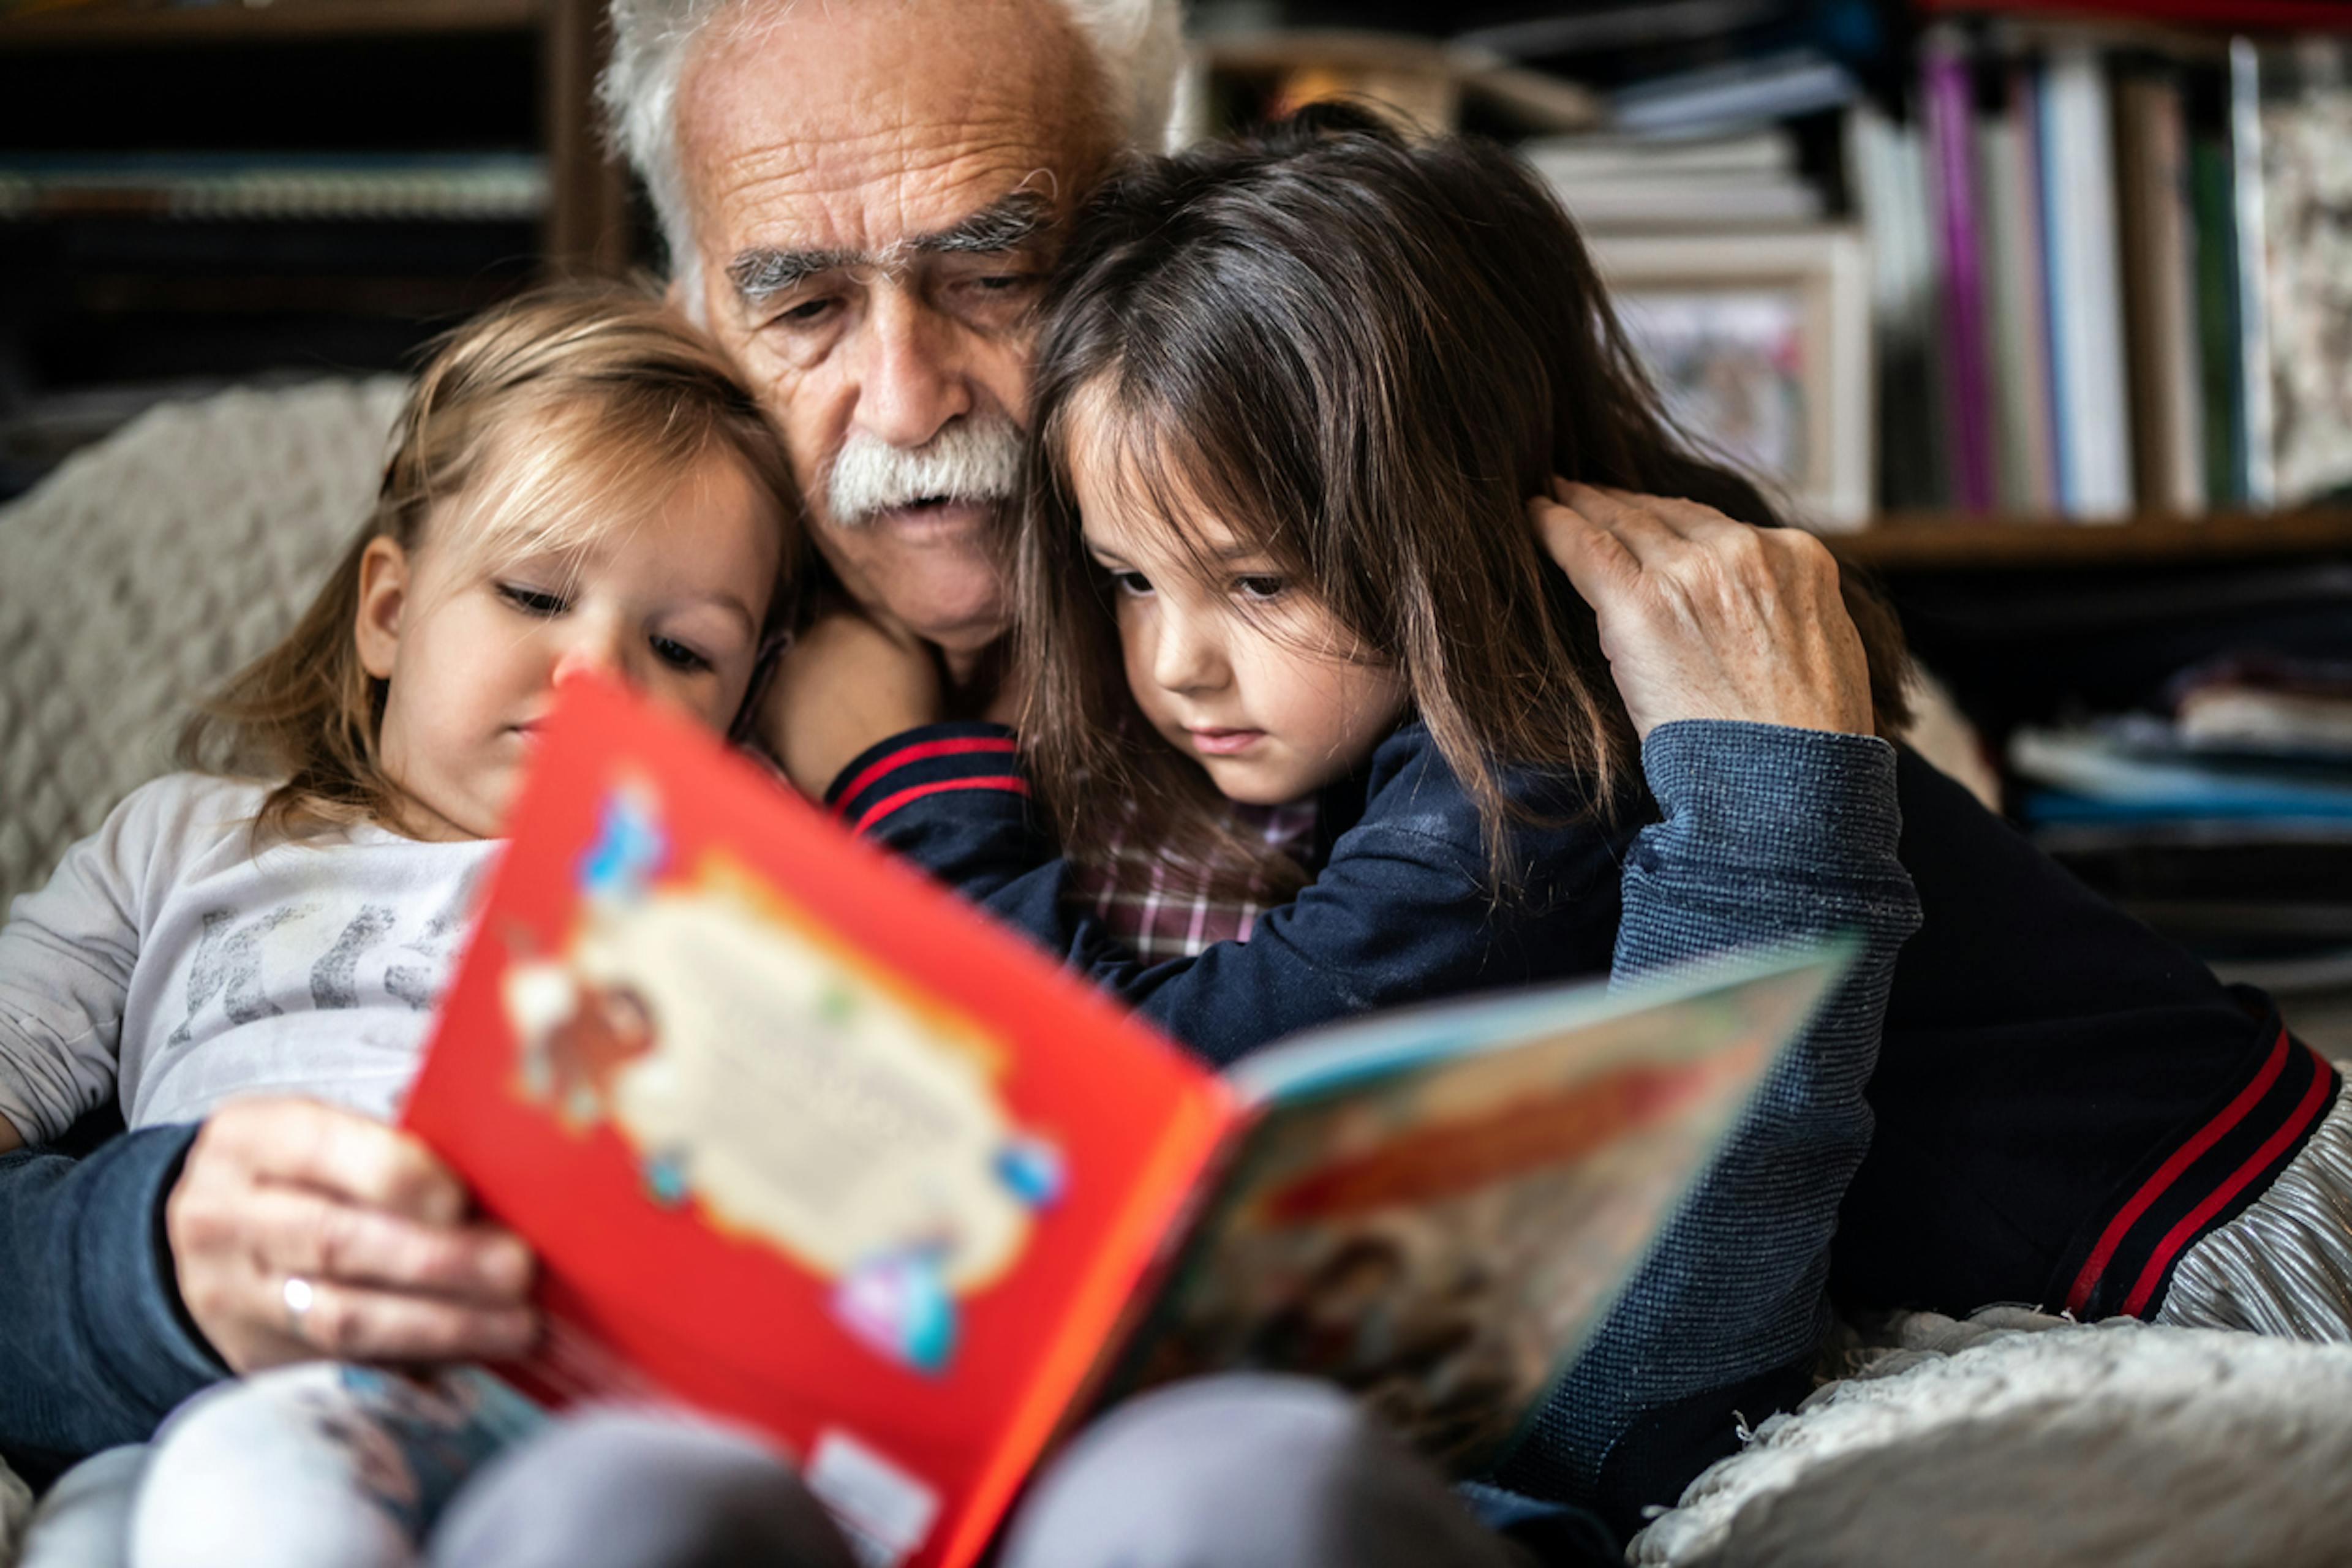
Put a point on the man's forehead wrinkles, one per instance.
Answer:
(792, 217)
(874, 147)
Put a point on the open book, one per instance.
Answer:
(805, 1141)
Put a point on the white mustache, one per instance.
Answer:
(974, 458)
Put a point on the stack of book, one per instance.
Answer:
(1620, 181)
(2224, 821)
(2114, 277)
(1709, 193)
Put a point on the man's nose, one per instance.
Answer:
(914, 381)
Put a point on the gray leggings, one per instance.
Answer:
(1230, 1472)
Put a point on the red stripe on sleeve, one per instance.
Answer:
(890, 803)
(960, 745)
(2170, 1173)
(2178, 1237)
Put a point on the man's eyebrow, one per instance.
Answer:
(1012, 220)
(762, 272)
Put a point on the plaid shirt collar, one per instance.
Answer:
(1158, 913)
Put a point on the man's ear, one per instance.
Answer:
(384, 599)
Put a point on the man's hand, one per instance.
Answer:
(844, 685)
(1703, 617)
(362, 1214)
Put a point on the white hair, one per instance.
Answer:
(974, 458)
(1137, 44)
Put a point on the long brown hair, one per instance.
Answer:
(1361, 356)
(562, 414)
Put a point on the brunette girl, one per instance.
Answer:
(1289, 402)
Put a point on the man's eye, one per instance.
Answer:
(807, 313)
(1259, 587)
(997, 298)
(532, 601)
(679, 657)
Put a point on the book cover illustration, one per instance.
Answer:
(804, 1098)
(1439, 1237)
(798, 1138)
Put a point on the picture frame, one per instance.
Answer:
(1760, 343)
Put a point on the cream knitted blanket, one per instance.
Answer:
(145, 569)
(2032, 1442)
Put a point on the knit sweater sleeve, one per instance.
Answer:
(1766, 834)
(95, 1346)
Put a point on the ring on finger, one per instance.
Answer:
(298, 1294)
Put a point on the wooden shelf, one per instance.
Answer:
(390, 297)
(2232, 14)
(586, 227)
(114, 26)
(1964, 544)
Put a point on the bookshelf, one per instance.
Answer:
(192, 195)
(585, 224)
(2200, 14)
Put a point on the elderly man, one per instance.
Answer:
(862, 201)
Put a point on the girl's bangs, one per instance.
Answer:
(558, 482)
(1186, 471)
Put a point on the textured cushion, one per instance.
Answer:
(148, 568)
(2030, 1441)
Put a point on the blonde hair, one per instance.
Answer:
(560, 416)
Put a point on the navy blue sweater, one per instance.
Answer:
(2064, 1102)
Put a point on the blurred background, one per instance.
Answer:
(2041, 312)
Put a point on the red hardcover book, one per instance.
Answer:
(805, 1141)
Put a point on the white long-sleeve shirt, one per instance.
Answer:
(169, 965)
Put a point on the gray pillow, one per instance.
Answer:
(145, 569)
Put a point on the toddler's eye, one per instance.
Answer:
(1259, 587)
(679, 657)
(1130, 585)
(532, 601)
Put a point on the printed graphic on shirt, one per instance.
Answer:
(334, 978)
(321, 954)
(760, 1069)
(228, 965)
(419, 983)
